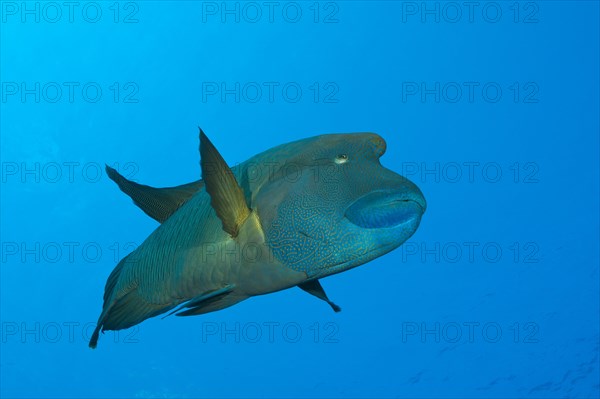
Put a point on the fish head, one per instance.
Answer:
(330, 205)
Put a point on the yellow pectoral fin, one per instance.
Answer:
(226, 196)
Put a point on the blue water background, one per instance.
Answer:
(534, 308)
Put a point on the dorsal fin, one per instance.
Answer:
(226, 196)
(158, 203)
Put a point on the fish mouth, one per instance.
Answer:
(387, 209)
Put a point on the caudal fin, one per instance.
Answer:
(95, 336)
(128, 308)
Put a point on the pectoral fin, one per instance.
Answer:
(314, 288)
(158, 203)
(226, 196)
(195, 304)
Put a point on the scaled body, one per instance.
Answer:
(286, 217)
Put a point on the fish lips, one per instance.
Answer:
(387, 209)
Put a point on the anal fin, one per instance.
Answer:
(314, 287)
(195, 304)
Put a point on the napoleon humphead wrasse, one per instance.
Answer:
(284, 218)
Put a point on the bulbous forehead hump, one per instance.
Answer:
(368, 143)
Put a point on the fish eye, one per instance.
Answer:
(341, 158)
